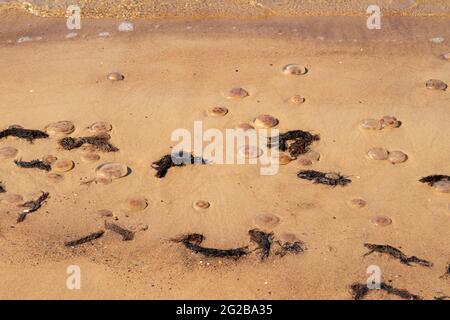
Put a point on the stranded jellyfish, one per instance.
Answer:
(265, 121)
(62, 165)
(294, 69)
(435, 84)
(266, 220)
(111, 171)
(237, 93)
(115, 76)
(135, 203)
(201, 205)
(8, 152)
(377, 154)
(60, 128)
(217, 112)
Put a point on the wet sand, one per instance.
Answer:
(174, 71)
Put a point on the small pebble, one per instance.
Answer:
(442, 186)
(395, 157)
(201, 205)
(62, 165)
(237, 93)
(381, 221)
(115, 76)
(294, 69)
(377, 154)
(8, 152)
(446, 56)
(435, 84)
(217, 112)
(267, 220)
(265, 121)
(357, 203)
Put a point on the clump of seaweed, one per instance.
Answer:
(263, 240)
(192, 242)
(330, 178)
(176, 159)
(88, 238)
(38, 164)
(100, 142)
(32, 206)
(28, 134)
(432, 179)
(290, 247)
(359, 291)
(125, 233)
(396, 253)
(296, 142)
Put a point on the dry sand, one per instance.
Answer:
(174, 71)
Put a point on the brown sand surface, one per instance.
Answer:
(173, 73)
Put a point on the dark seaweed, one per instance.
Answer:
(396, 253)
(359, 291)
(300, 142)
(27, 134)
(431, 180)
(290, 247)
(125, 233)
(323, 178)
(86, 239)
(179, 159)
(100, 142)
(38, 164)
(32, 206)
(192, 242)
(2, 188)
(263, 240)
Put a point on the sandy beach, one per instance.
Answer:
(174, 71)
